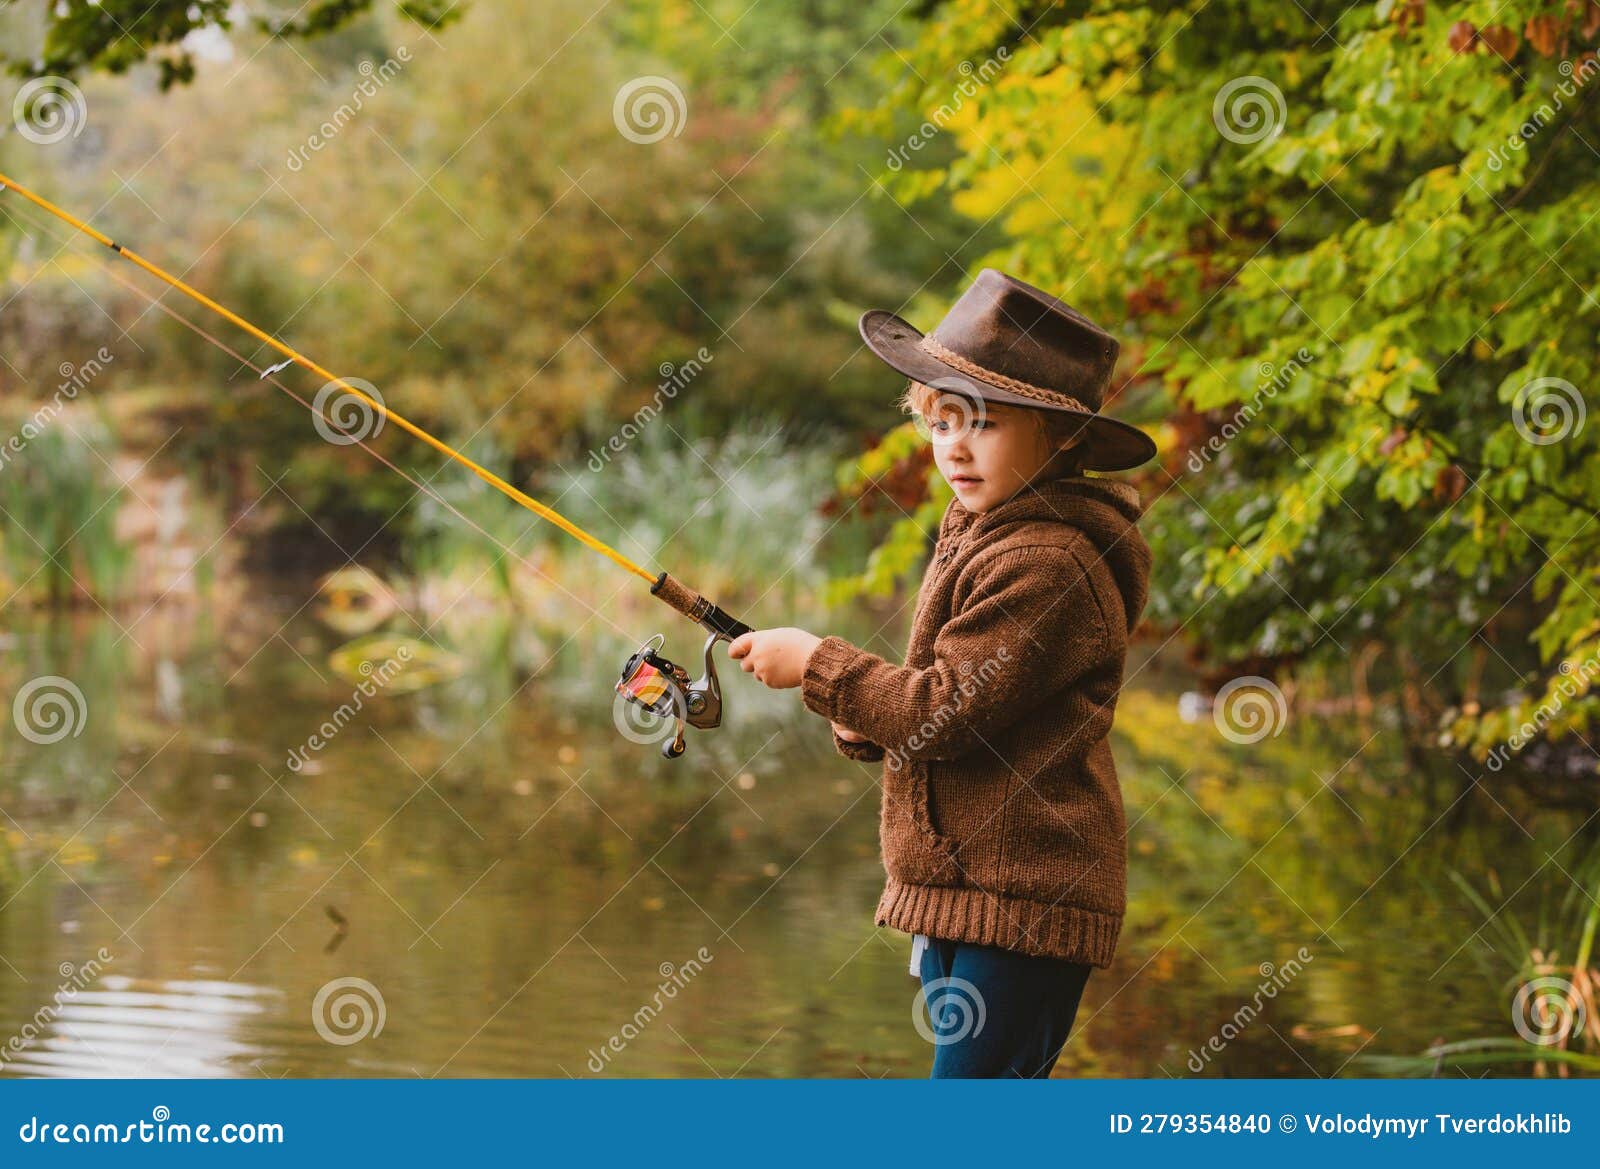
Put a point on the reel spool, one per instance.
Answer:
(662, 687)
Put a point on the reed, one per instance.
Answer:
(58, 507)
(736, 515)
(1552, 993)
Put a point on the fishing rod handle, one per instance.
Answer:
(713, 618)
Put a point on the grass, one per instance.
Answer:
(58, 541)
(735, 517)
(1552, 992)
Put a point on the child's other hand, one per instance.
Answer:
(847, 734)
(777, 657)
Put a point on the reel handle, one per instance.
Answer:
(712, 618)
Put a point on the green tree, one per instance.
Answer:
(1352, 252)
(486, 247)
(70, 37)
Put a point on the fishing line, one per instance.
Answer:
(423, 487)
(298, 358)
(648, 680)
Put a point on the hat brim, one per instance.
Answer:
(1110, 444)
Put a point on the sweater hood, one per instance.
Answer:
(1107, 511)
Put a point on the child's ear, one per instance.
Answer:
(1069, 449)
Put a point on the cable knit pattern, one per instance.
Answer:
(1002, 819)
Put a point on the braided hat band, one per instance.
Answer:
(1015, 385)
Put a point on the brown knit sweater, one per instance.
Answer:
(1002, 819)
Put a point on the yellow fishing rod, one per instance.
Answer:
(648, 680)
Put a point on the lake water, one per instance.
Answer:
(482, 878)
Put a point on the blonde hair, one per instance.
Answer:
(1057, 426)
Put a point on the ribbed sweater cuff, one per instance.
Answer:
(957, 914)
(819, 684)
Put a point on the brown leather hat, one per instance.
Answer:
(1009, 342)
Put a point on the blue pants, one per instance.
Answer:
(996, 1013)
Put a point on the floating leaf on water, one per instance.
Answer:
(76, 853)
(1308, 1034)
(355, 600)
(393, 664)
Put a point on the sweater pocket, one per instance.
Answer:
(914, 850)
(1065, 842)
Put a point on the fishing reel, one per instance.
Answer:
(662, 687)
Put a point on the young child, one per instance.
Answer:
(1002, 825)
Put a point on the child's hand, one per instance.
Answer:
(847, 734)
(777, 657)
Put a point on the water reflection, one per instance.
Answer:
(133, 1028)
(512, 879)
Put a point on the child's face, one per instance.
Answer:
(986, 452)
